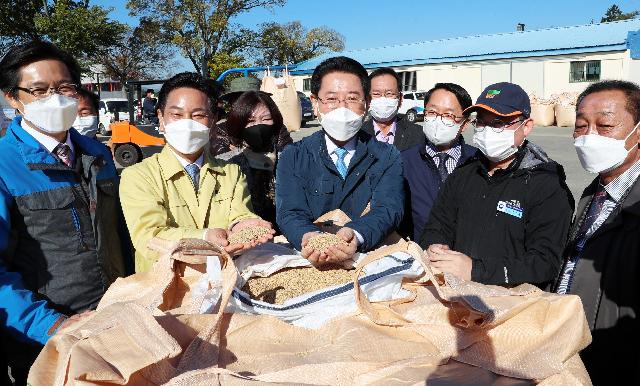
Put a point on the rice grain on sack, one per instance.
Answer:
(248, 235)
(292, 282)
(324, 241)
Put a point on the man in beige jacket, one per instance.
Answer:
(182, 192)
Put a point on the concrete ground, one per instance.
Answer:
(556, 141)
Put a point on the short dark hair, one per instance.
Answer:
(242, 109)
(339, 64)
(21, 55)
(630, 90)
(93, 99)
(461, 94)
(387, 71)
(189, 80)
(149, 90)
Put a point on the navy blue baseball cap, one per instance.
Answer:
(504, 99)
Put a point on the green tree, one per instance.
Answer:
(142, 53)
(84, 31)
(614, 13)
(201, 29)
(288, 43)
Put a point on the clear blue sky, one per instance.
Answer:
(376, 22)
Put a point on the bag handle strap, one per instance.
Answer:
(380, 313)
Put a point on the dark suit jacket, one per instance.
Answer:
(407, 134)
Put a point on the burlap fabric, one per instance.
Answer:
(147, 332)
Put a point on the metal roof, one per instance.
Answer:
(541, 42)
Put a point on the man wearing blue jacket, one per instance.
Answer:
(340, 167)
(61, 230)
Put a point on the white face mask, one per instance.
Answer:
(496, 146)
(86, 125)
(186, 135)
(53, 114)
(383, 109)
(439, 133)
(599, 154)
(341, 124)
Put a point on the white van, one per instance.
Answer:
(412, 105)
(108, 109)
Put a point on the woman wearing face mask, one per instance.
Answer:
(503, 217)
(255, 123)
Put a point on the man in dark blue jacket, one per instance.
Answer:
(427, 165)
(340, 167)
(61, 228)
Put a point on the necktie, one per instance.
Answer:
(63, 152)
(569, 268)
(442, 165)
(340, 165)
(193, 171)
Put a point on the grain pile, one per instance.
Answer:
(248, 235)
(323, 241)
(292, 282)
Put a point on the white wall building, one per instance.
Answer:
(545, 61)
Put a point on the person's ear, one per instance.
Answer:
(314, 105)
(463, 125)
(527, 127)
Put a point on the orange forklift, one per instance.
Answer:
(135, 138)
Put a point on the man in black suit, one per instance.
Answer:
(385, 123)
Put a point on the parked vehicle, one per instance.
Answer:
(412, 105)
(132, 138)
(306, 108)
(112, 110)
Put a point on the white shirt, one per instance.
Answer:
(48, 142)
(185, 162)
(350, 147)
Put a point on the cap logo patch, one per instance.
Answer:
(492, 93)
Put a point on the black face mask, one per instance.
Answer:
(259, 137)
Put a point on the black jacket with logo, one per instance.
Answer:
(513, 225)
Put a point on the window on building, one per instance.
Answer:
(409, 80)
(588, 71)
(306, 84)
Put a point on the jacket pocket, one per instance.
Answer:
(319, 187)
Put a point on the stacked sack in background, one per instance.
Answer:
(542, 111)
(284, 94)
(398, 323)
(559, 109)
(565, 109)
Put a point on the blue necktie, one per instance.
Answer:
(193, 171)
(340, 165)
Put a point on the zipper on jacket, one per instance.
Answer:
(82, 246)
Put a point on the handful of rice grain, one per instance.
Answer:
(324, 240)
(248, 235)
(292, 282)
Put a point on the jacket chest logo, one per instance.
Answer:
(511, 207)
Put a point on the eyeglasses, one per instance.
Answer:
(333, 103)
(66, 89)
(497, 125)
(388, 94)
(446, 118)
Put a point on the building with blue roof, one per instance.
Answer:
(544, 61)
